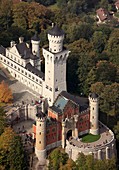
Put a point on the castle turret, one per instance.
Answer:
(55, 37)
(55, 64)
(94, 104)
(35, 40)
(40, 148)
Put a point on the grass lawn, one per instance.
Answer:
(90, 138)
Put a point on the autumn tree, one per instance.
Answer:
(5, 93)
(30, 15)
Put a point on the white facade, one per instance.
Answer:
(24, 65)
(40, 148)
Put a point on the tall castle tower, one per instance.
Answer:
(40, 148)
(94, 104)
(55, 64)
(35, 41)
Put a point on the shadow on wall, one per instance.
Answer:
(18, 96)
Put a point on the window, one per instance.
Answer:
(39, 142)
(15, 67)
(18, 69)
(49, 99)
(32, 77)
(93, 108)
(92, 117)
(40, 133)
(40, 125)
(53, 130)
(56, 89)
(4, 60)
(40, 82)
(37, 80)
(25, 73)
(46, 86)
(11, 64)
(50, 89)
(8, 62)
(29, 75)
(22, 71)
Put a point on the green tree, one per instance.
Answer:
(110, 97)
(2, 120)
(99, 40)
(5, 14)
(116, 130)
(11, 151)
(57, 159)
(113, 47)
(105, 72)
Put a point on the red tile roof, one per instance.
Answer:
(102, 14)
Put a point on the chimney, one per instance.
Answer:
(12, 43)
(21, 39)
(52, 24)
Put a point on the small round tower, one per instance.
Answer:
(55, 37)
(35, 41)
(94, 106)
(40, 148)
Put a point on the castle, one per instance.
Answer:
(69, 117)
(24, 64)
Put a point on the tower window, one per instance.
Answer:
(40, 133)
(40, 142)
(56, 89)
(40, 125)
(46, 86)
(50, 89)
(92, 117)
(93, 108)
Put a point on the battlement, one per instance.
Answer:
(93, 99)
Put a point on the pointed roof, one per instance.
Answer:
(35, 37)
(93, 95)
(56, 31)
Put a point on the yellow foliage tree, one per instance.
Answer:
(5, 93)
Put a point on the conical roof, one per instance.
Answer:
(56, 31)
(35, 37)
(93, 95)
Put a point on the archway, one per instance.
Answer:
(69, 134)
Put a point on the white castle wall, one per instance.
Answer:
(24, 76)
(101, 151)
